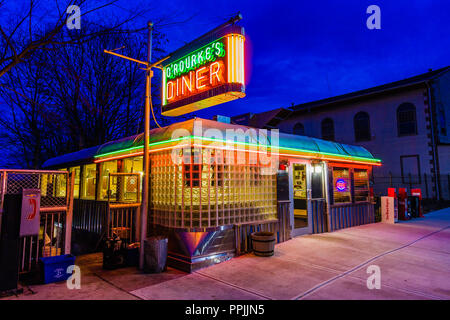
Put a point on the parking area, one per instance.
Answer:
(413, 258)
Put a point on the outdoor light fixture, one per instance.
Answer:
(317, 168)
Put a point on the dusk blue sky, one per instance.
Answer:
(301, 51)
(308, 50)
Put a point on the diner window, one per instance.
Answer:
(406, 120)
(107, 168)
(299, 129)
(328, 129)
(133, 165)
(192, 168)
(53, 185)
(132, 183)
(60, 181)
(76, 184)
(341, 185)
(89, 181)
(361, 124)
(361, 185)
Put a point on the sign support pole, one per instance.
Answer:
(148, 95)
(145, 191)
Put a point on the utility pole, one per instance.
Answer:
(148, 97)
(145, 193)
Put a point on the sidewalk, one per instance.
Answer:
(413, 256)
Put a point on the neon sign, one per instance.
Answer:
(341, 185)
(195, 60)
(206, 75)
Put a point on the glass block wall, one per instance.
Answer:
(206, 193)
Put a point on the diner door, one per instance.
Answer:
(299, 198)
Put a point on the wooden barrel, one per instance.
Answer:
(263, 243)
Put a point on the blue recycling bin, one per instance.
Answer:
(54, 269)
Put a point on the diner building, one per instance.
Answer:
(212, 184)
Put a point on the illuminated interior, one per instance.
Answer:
(299, 195)
(341, 185)
(208, 190)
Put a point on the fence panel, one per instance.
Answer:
(54, 208)
(425, 182)
(284, 220)
(124, 187)
(122, 221)
(319, 218)
(352, 214)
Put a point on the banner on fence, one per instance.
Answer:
(30, 218)
(388, 210)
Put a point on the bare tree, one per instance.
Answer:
(25, 111)
(96, 92)
(59, 92)
(13, 52)
(72, 97)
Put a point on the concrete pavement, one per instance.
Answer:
(413, 257)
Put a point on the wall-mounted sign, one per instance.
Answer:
(204, 73)
(341, 185)
(30, 217)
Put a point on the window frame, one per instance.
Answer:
(418, 169)
(349, 184)
(104, 177)
(77, 177)
(367, 184)
(295, 128)
(331, 122)
(356, 129)
(84, 184)
(413, 110)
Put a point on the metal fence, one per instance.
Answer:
(124, 187)
(318, 216)
(349, 215)
(425, 182)
(55, 212)
(117, 214)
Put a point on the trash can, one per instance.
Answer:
(54, 269)
(132, 255)
(113, 254)
(155, 252)
(263, 243)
